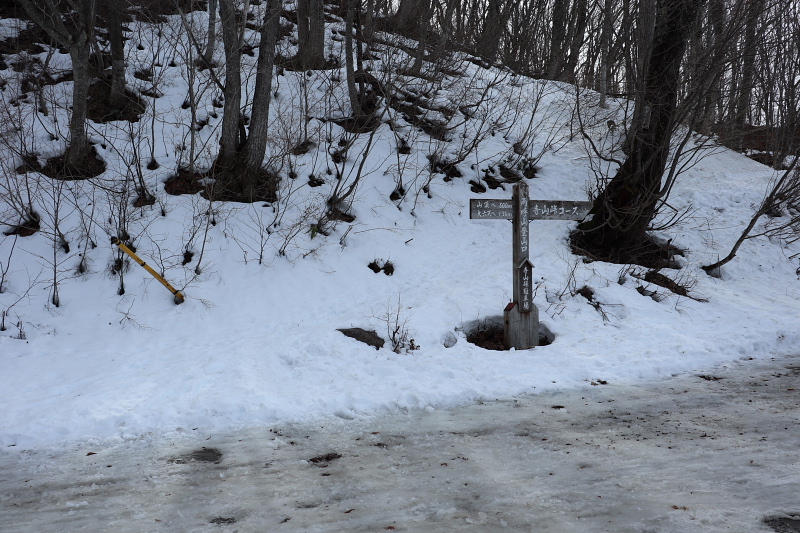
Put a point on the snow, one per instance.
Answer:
(712, 452)
(255, 345)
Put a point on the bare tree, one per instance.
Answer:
(623, 210)
(117, 99)
(494, 28)
(211, 34)
(242, 152)
(311, 33)
(76, 34)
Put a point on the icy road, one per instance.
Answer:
(717, 451)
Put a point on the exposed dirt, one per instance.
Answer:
(368, 337)
(100, 109)
(490, 336)
(26, 228)
(649, 254)
(91, 167)
(185, 182)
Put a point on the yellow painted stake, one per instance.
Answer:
(178, 296)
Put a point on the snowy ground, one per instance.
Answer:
(255, 347)
(710, 452)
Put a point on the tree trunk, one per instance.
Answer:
(252, 156)
(422, 42)
(117, 99)
(406, 19)
(78, 42)
(231, 38)
(558, 40)
(605, 53)
(716, 16)
(311, 33)
(446, 31)
(748, 74)
(355, 102)
(494, 29)
(81, 72)
(577, 36)
(624, 209)
(211, 39)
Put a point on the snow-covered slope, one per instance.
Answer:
(256, 342)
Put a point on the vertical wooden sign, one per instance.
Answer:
(523, 268)
(521, 317)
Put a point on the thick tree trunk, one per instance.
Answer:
(78, 42)
(252, 156)
(558, 40)
(713, 97)
(748, 74)
(78, 141)
(311, 31)
(422, 42)
(577, 36)
(446, 30)
(624, 209)
(494, 28)
(117, 99)
(211, 39)
(231, 37)
(406, 19)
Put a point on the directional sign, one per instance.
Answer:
(494, 209)
(521, 317)
(523, 280)
(523, 294)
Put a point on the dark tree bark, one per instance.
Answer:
(566, 39)
(211, 38)
(77, 39)
(713, 98)
(407, 18)
(355, 100)
(605, 53)
(624, 209)
(231, 117)
(117, 99)
(494, 28)
(311, 31)
(241, 155)
(558, 39)
(252, 154)
(742, 105)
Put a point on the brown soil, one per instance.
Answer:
(100, 111)
(26, 228)
(649, 254)
(490, 337)
(185, 182)
(91, 167)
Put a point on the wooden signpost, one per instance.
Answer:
(521, 317)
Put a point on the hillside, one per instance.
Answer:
(94, 348)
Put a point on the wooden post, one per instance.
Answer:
(521, 317)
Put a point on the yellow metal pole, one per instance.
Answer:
(178, 296)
